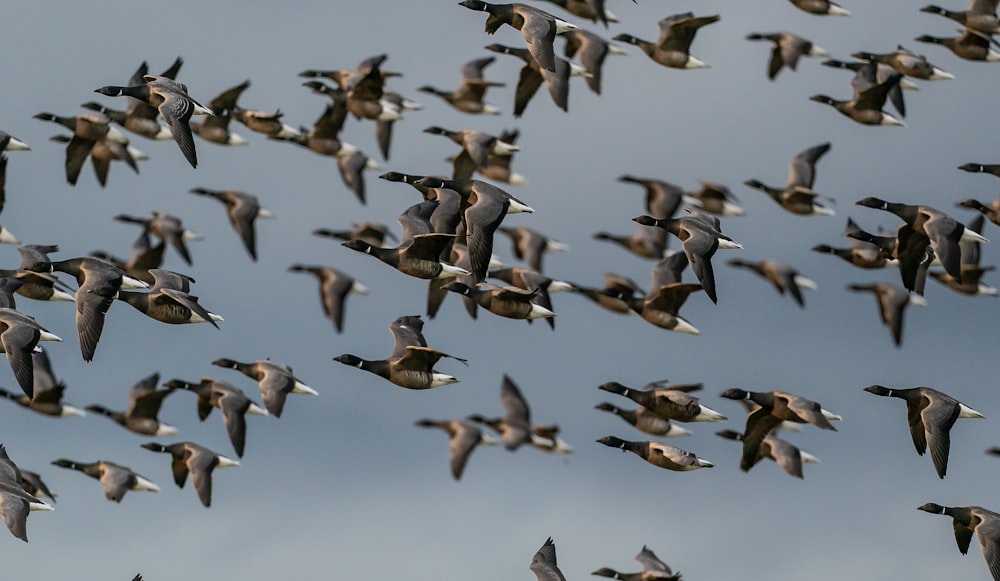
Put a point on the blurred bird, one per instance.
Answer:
(532, 75)
(861, 253)
(199, 461)
(468, 97)
(790, 458)
(166, 227)
(243, 209)
(783, 277)
(798, 196)
(215, 128)
(865, 106)
(908, 63)
(234, 404)
(672, 402)
(334, 287)
(115, 479)
(463, 439)
(775, 407)
(275, 380)
(144, 402)
(788, 49)
(89, 130)
(47, 391)
(892, 302)
(19, 335)
(673, 48)
(591, 50)
(971, 46)
(660, 455)
(820, 7)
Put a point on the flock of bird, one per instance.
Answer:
(447, 237)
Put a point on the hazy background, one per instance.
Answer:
(344, 485)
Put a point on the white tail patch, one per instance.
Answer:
(449, 271)
(967, 412)
(615, 49)
(890, 120)
(68, 410)
(706, 414)
(300, 387)
(256, 410)
(683, 326)
(822, 210)
(226, 462)
(132, 283)
(46, 336)
(200, 109)
(986, 290)
(372, 164)
(488, 440)
(804, 282)
(144, 484)
(136, 153)
(389, 112)
(191, 236)
(553, 246)
(115, 135)
(940, 75)
(517, 206)
(7, 238)
(837, 11)
(490, 109)
(558, 286)
(818, 51)
(563, 26)
(677, 430)
(39, 505)
(829, 415)
(917, 300)
(162, 134)
(265, 213)
(16, 145)
(288, 132)
(702, 463)
(357, 287)
(693, 63)
(504, 148)
(538, 311)
(347, 149)
(576, 70)
(439, 379)
(972, 236)
(517, 179)
(236, 139)
(808, 458)
(165, 430)
(725, 244)
(908, 85)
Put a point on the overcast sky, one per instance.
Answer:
(344, 485)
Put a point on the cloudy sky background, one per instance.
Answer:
(344, 485)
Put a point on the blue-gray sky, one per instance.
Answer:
(344, 485)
